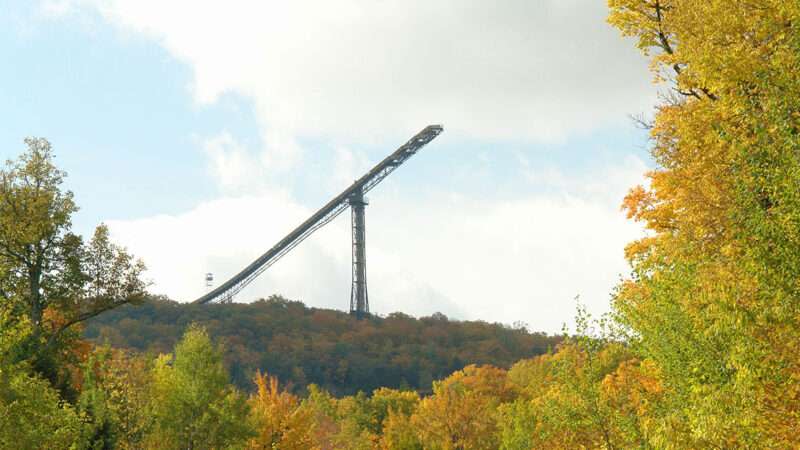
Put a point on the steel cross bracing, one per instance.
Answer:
(227, 290)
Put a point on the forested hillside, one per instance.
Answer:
(332, 349)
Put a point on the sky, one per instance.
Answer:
(202, 132)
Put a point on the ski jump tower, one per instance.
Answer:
(353, 198)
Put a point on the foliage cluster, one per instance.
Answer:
(332, 349)
(714, 298)
(577, 397)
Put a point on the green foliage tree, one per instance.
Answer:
(399, 433)
(192, 402)
(32, 415)
(517, 424)
(114, 399)
(50, 276)
(385, 402)
(94, 403)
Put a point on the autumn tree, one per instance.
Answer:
(279, 419)
(302, 345)
(590, 393)
(460, 415)
(324, 411)
(32, 414)
(361, 420)
(399, 433)
(51, 277)
(713, 298)
(115, 389)
(574, 410)
(386, 402)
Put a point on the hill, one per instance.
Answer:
(302, 345)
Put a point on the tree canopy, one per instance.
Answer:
(713, 296)
(50, 276)
(302, 345)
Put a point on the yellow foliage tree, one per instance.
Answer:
(591, 393)
(713, 300)
(278, 418)
(461, 412)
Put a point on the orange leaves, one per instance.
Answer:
(637, 202)
(633, 388)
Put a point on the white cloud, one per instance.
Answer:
(518, 259)
(232, 165)
(348, 166)
(360, 70)
(55, 8)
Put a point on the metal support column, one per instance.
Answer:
(359, 300)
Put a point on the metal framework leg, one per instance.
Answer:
(359, 300)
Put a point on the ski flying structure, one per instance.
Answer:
(353, 198)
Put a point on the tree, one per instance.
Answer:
(461, 412)
(279, 419)
(518, 424)
(37, 249)
(32, 415)
(193, 405)
(51, 276)
(573, 411)
(713, 298)
(399, 433)
(385, 402)
(592, 392)
(301, 345)
(114, 397)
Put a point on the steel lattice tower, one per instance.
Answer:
(359, 299)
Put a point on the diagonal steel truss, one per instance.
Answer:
(352, 196)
